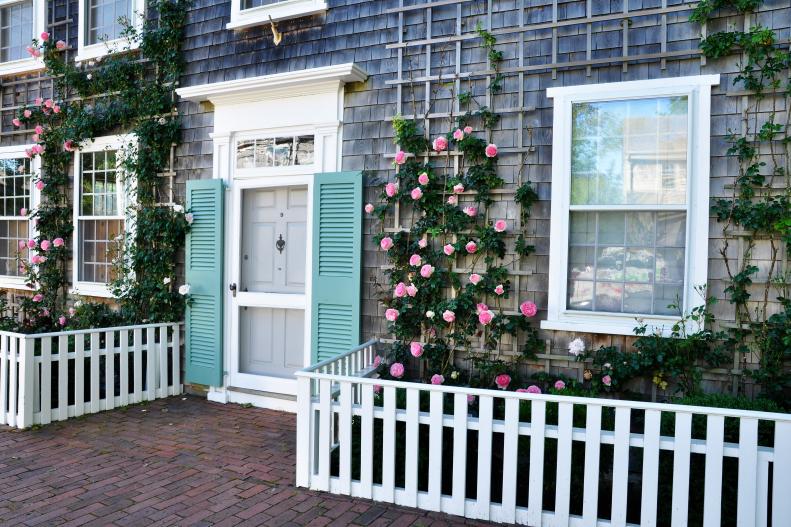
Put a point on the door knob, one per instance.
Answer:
(232, 287)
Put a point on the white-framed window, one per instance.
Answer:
(18, 198)
(247, 13)
(101, 26)
(630, 203)
(20, 22)
(99, 214)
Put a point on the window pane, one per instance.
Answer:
(275, 152)
(15, 185)
(104, 19)
(99, 188)
(16, 30)
(98, 246)
(629, 152)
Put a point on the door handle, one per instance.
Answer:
(232, 287)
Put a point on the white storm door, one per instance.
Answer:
(269, 306)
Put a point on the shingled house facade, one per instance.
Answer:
(286, 110)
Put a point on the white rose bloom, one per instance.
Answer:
(429, 314)
(78, 303)
(184, 289)
(189, 217)
(166, 280)
(577, 347)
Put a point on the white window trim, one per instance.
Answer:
(27, 64)
(113, 142)
(10, 152)
(698, 91)
(100, 49)
(244, 18)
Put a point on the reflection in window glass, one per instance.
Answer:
(16, 30)
(105, 19)
(15, 185)
(275, 152)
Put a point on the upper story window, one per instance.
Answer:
(20, 22)
(246, 13)
(102, 24)
(16, 203)
(629, 203)
(275, 152)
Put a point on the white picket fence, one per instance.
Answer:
(49, 377)
(338, 408)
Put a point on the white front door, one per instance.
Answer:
(268, 293)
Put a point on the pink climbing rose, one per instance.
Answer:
(437, 379)
(458, 188)
(377, 388)
(481, 307)
(16, 122)
(60, 45)
(62, 320)
(502, 381)
(475, 278)
(369, 208)
(470, 211)
(400, 289)
(44, 36)
(471, 247)
(397, 370)
(23, 211)
(528, 308)
(386, 243)
(606, 380)
(391, 314)
(458, 134)
(422, 243)
(448, 249)
(57, 242)
(45, 244)
(468, 130)
(68, 145)
(423, 178)
(453, 200)
(27, 113)
(415, 260)
(22, 245)
(485, 317)
(31, 244)
(426, 271)
(491, 150)
(40, 185)
(500, 226)
(377, 361)
(448, 316)
(533, 389)
(416, 193)
(416, 349)
(440, 144)
(400, 157)
(38, 297)
(560, 385)
(499, 290)
(391, 189)
(39, 129)
(411, 290)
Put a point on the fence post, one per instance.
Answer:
(26, 381)
(304, 446)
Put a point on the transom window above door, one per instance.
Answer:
(629, 203)
(275, 152)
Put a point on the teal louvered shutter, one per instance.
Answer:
(204, 364)
(337, 233)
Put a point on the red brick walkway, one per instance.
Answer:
(179, 461)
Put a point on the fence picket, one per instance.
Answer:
(388, 445)
(748, 471)
(367, 441)
(137, 395)
(781, 474)
(109, 370)
(435, 451)
(459, 487)
(563, 481)
(162, 355)
(26, 382)
(411, 445)
(175, 353)
(4, 361)
(123, 367)
(79, 375)
(63, 376)
(46, 381)
(762, 505)
(536, 480)
(590, 490)
(345, 438)
(325, 401)
(510, 455)
(650, 483)
(713, 486)
(620, 467)
(13, 384)
(95, 402)
(151, 365)
(681, 453)
(484, 454)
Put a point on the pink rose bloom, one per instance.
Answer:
(422, 243)
(416, 193)
(491, 150)
(440, 144)
(521, 390)
(471, 247)
(49, 103)
(458, 135)
(528, 308)
(377, 361)
(42, 259)
(423, 178)
(470, 211)
(68, 145)
(377, 388)
(56, 109)
(45, 244)
(36, 138)
(60, 45)
(57, 242)
(38, 101)
(386, 243)
(500, 226)
(502, 381)
(400, 157)
(411, 290)
(560, 385)
(44, 36)
(470, 399)
(40, 185)
(437, 379)
(62, 320)
(35, 259)
(458, 188)
(27, 113)
(16, 122)
(448, 249)
(369, 208)
(499, 290)
(475, 278)
(39, 129)
(415, 260)
(72, 311)
(31, 244)
(606, 380)
(416, 349)
(468, 130)
(481, 307)
(391, 189)
(391, 314)
(22, 245)
(426, 271)
(533, 389)
(448, 316)
(453, 200)
(486, 317)
(23, 211)
(397, 370)
(38, 297)
(400, 289)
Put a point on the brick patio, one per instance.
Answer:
(178, 461)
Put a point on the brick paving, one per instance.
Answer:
(178, 461)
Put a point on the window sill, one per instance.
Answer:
(103, 49)
(14, 282)
(608, 323)
(15, 67)
(256, 16)
(92, 289)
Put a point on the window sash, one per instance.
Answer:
(16, 30)
(102, 19)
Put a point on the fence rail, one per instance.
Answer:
(54, 376)
(352, 427)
